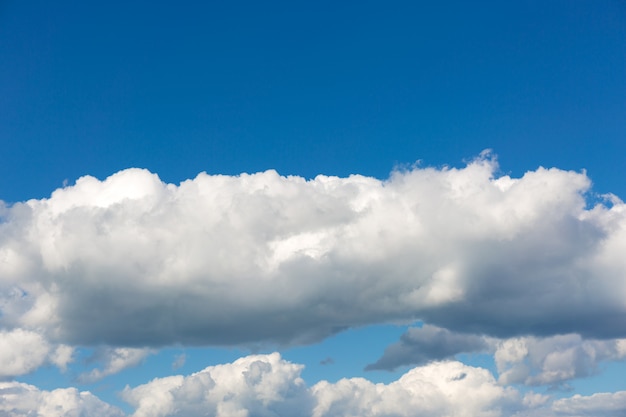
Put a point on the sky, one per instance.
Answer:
(324, 209)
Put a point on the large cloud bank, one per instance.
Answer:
(269, 386)
(222, 260)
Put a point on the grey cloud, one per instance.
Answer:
(179, 361)
(225, 260)
(529, 360)
(420, 345)
(327, 361)
(113, 360)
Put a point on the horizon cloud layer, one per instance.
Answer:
(268, 385)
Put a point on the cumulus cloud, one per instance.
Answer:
(437, 389)
(553, 360)
(223, 260)
(114, 360)
(605, 404)
(23, 400)
(256, 385)
(23, 351)
(267, 385)
(420, 345)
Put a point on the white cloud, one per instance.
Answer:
(596, 405)
(269, 386)
(266, 385)
(23, 400)
(437, 389)
(605, 404)
(61, 356)
(222, 260)
(114, 360)
(23, 351)
(256, 385)
(553, 360)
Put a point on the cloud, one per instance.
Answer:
(529, 360)
(23, 351)
(256, 385)
(179, 361)
(605, 404)
(596, 405)
(437, 389)
(23, 400)
(327, 361)
(223, 260)
(268, 385)
(420, 345)
(114, 360)
(553, 360)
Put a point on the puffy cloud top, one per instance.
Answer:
(267, 385)
(23, 400)
(131, 261)
(256, 385)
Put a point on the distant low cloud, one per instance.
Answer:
(225, 260)
(263, 385)
(606, 404)
(327, 361)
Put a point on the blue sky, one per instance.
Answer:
(415, 252)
